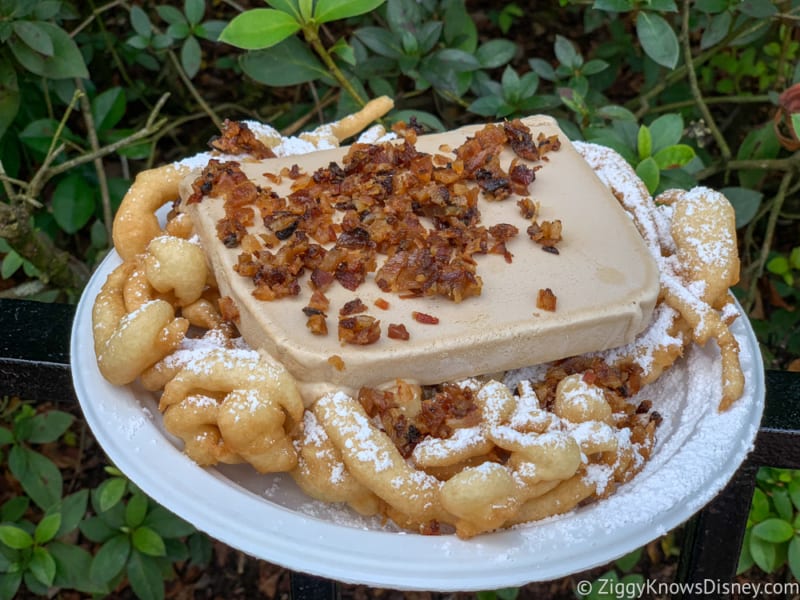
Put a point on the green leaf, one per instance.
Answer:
(49, 426)
(9, 584)
(629, 561)
(614, 5)
(96, 529)
(764, 554)
(644, 142)
(10, 265)
(73, 202)
(136, 510)
(168, 524)
(108, 108)
(380, 41)
(110, 492)
(287, 64)
(141, 22)
(170, 14)
(72, 508)
(566, 53)
(110, 559)
(38, 135)
(459, 30)
(759, 509)
(543, 69)
(259, 28)
(453, 59)
(616, 113)
(200, 549)
(191, 56)
(495, 53)
(783, 504)
(793, 557)
(593, 67)
(72, 568)
(773, 530)
(148, 542)
(46, 9)
(14, 508)
(9, 95)
(34, 36)
(658, 39)
(39, 477)
(674, 157)
(758, 9)
(488, 106)
(333, 10)
(194, 10)
(66, 61)
(711, 6)
(716, 30)
(145, 577)
(47, 528)
(746, 203)
(649, 173)
(15, 537)
(290, 7)
(666, 130)
(43, 566)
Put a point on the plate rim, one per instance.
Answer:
(301, 542)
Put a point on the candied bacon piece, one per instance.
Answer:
(398, 331)
(521, 140)
(228, 309)
(546, 300)
(336, 362)
(316, 324)
(382, 303)
(230, 232)
(352, 307)
(360, 330)
(548, 233)
(238, 138)
(421, 317)
(527, 208)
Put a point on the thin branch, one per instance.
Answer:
(102, 180)
(756, 269)
(312, 38)
(193, 90)
(711, 123)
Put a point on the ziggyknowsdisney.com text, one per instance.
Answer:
(709, 587)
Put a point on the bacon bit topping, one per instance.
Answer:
(548, 233)
(527, 208)
(336, 362)
(352, 307)
(398, 331)
(360, 330)
(421, 317)
(445, 408)
(410, 218)
(382, 304)
(316, 323)
(228, 309)
(237, 138)
(546, 300)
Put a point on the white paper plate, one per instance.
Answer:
(698, 451)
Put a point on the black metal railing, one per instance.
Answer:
(34, 364)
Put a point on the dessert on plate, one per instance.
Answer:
(453, 331)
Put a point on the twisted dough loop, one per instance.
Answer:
(256, 395)
(128, 343)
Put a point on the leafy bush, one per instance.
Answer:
(44, 535)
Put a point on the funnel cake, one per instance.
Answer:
(498, 257)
